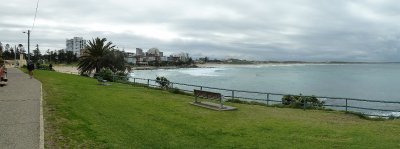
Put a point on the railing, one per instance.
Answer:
(364, 106)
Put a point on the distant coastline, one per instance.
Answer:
(297, 62)
(330, 62)
(250, 62)
(226, 64)
(162, 67)
(74, 69)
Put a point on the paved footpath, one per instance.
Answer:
(20, 111)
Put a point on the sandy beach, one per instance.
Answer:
(67, 69)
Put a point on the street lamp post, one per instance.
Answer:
(29, 36)
(15, 55)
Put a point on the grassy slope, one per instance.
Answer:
(80, 113)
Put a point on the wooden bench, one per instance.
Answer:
(213, 96)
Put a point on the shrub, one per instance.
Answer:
(163, 82)
(393, 117)
(299, 101)
(121, 77)
(44, 67)
(105, 74)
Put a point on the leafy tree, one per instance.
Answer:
(179, 63)
(12, 53)
(75, 58)
(69, 57)
(1, 48)
(101, 54)
(115, 61)
(189, 61)
(1, 62)
(53, 56)
(20, 48)
(61, 57)
(6, 55)
(36, 54)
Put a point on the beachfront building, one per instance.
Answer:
(184, 57)
(140, 57)
(163, 59)
(130, 57)
(154, 56)
(76, 45)
(139, 52)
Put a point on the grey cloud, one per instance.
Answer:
(356, 30)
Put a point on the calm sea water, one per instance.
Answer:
(366, 81)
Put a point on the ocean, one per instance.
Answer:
(360, 81)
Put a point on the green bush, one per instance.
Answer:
(299, 101)
(163, 82)
(121, 77)
(105, 74)
(393, 117)
(43, 67)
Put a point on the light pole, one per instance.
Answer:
(29, 36)
(15, 55)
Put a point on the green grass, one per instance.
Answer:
(81, 114)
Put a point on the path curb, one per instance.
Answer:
(41, 137)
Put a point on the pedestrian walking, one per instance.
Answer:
(31, 67)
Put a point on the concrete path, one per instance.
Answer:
(20, 112)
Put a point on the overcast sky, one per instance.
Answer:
(310, 30)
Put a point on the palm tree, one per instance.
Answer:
(95, 56)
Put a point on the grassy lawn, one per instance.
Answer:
(81, 114)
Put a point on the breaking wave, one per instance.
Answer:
(209, 72)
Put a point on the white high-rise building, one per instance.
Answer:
(139, 52)
(75, 45)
